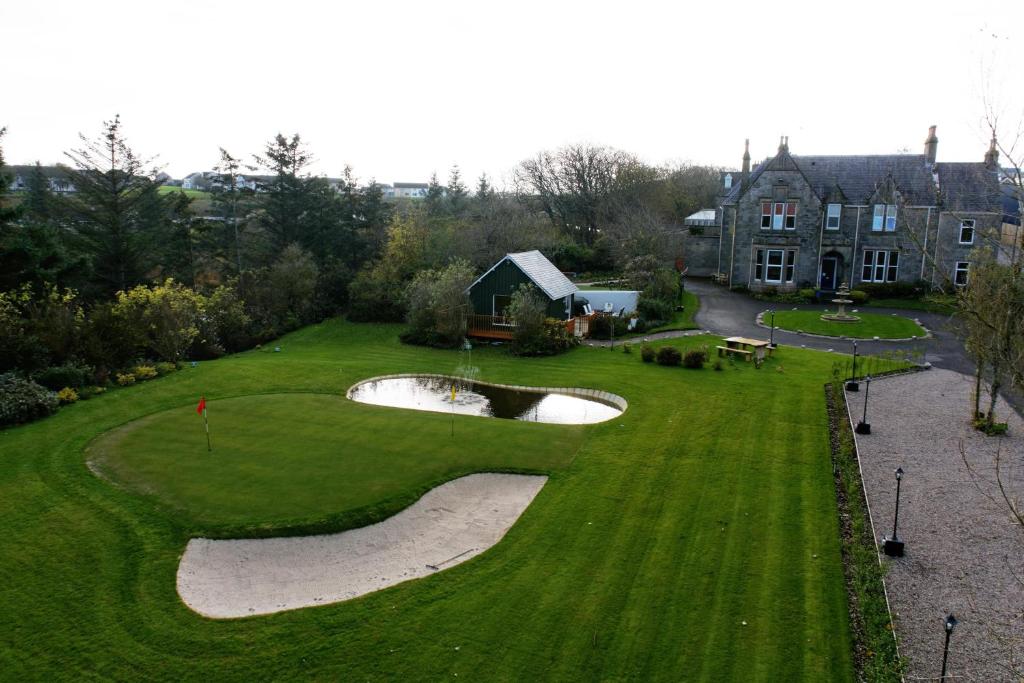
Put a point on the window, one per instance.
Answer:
(967, 231)
(770, 265)
(778, 215)
(728, 180)
(500, 302)
(880, 266)
(766, 215)
(884, 218)
(790, 216)
(832, 217)
(960, 273)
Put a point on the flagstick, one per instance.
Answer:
(207, 423)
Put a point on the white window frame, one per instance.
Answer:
(967, 224)
(834, 211)
(961, 267)
(786, 265)
(884, 218)
(778, 215)
(882, 263)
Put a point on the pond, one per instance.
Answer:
(434, 393)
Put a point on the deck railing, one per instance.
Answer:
(502, 327)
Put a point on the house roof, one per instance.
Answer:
(969, 187)
(541, 272)
(702, 217)
(544, 274)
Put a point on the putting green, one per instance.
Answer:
(869, 326)
(296, 459)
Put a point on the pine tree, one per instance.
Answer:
(227, 197)
(7, 213)
(39, 200)
(456, 191)
(435, 197)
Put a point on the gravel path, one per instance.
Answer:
(963, 550)
(447, 526)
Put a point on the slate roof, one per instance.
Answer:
(544, 274)
(854, 178)
(969, 187)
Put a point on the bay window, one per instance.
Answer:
(880, 266)
(774, 266)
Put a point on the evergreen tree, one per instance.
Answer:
(116, 213)
(483, 188)
(39, 200)
(435, 197)
(227, 199)
(7, 213)
(456, 191)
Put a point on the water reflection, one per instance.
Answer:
(473, 398)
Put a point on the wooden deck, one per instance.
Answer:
(502, 328)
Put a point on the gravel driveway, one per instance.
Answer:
(964, 554)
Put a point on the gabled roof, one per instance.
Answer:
(854, 177)
(541, 272)
(969, 187)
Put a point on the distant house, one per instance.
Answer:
(56, 176)
(413, 190)
(492, 292)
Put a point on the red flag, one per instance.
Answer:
(202, 405)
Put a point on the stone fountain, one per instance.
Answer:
(842, 299)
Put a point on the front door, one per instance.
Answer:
(829, 265)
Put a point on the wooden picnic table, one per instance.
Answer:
(746, 346)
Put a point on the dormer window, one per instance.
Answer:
(832, 216)
(967, 231)
(728, 181)
(884, 218)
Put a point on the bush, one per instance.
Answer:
(717, 367)
(993, 429)
(124, 379)
(858, 296)
(22, 400)
(647, 354)
(895, 290)
(695, 359)
(67, 395)
(669, 355)
(60, 376)
(807, 294)
(89, 392)
(144, 372)
(655, 310)
(164, 368)
(601, 326)
(626, 348)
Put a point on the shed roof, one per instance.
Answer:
(544, 274)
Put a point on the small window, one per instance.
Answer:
(790, 216)
(790, 264)
(960, 273)
(869, 262)
(759, 265)
(894, 266)
(728, 180)
(967, 231)
(766, 215)
(832, 217)
(890, 217)
(778, 215)
(879, 218)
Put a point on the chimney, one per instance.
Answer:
(746, 158)
(992, 156)
(783, 144)
(931, 146)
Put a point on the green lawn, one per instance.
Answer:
(194, 194)
(870, 325)
(932, 304)
(693, 538)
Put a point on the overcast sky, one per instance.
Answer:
(401, 89)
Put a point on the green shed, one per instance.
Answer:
(492, 291)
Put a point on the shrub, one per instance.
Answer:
(695, 359)
(601, 326)
(67, 395)
(647, 354)
(718, 365)
(60, 376)
(144, 372)
(124, 379)
(626, 348)
(654, 310)
(22, 400)
(89, 392)
(858, 296)
(807, 294)
(164, 368)
(896, 290)
(991, 429)
(669, 355)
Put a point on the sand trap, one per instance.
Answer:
(447, 526)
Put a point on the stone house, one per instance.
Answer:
(817, 221)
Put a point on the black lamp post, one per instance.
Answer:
(771, 341)
(863, 427)
(949, 624)
(852, 385)
(893, 546)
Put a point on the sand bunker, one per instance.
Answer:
(447, 526)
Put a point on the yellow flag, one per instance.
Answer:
(453, 393)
